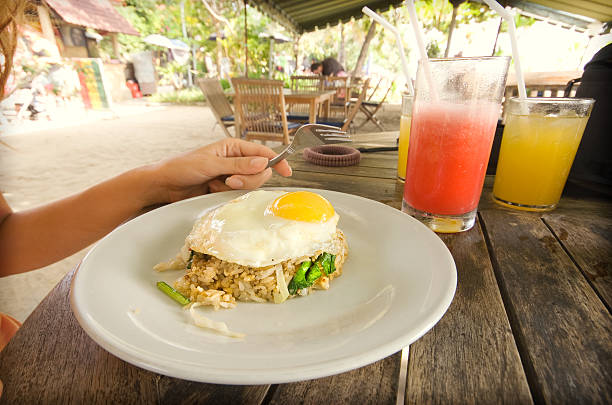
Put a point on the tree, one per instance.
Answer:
(456, 4)
(220, 22)
(364, 49)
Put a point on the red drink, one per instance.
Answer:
(456, 106)
(447, 160)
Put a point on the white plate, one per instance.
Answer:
(397, 282)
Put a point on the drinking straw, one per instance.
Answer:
(418, 33)
(515, 54)
(398, 41)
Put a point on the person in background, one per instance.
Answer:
(328, 67)
(37, 237)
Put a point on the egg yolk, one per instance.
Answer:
(302, 206)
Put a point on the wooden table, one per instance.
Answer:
(530, 321)
(546, 84)
(314, 99)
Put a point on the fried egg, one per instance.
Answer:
(266, 227)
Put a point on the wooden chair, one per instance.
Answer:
(260, 107)
(341, 100)
(218, 103)
(370, 106)
(344, 124)
(541, 84)
(306, 83)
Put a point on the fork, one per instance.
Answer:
(311, 135)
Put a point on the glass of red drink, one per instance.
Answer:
(452, 131)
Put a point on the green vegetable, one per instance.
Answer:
(190, 261)
(327, 261)
(332, 263)
(299, 279)
(310, 272)
(315, 271)
(172, 293)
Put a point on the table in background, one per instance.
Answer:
(530, 321)
(315, 100)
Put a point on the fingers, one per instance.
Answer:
(244, 182)
(216, 185)
(239, 147)
(283, 168)
(237, 165)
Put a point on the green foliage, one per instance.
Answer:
(191, 95)
(164, 17)
(225, 84)
(433, 50)
(172, 73)
(519, 21)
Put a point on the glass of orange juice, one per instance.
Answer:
(452, 131)
(538, 146)
(404, 136)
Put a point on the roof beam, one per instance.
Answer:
(347, 14)
(300, 16)
(601, 11)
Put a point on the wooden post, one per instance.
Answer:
(364, 50)
(341, 52)
(47, 26)
(271, 58)
(116, 47)
(296, 52)
(246, 42)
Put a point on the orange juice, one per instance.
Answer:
(402, 149)
(536, 155)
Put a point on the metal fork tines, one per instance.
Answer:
(312, 135)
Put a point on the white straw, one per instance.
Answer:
(515, 54)
(418, 33)
(398, 40)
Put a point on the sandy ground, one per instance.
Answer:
(45, 165)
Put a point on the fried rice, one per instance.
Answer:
(214, 282)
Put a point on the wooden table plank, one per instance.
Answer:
(91, 375)
(176, 391)
(369, 168)
(373, 384)
(88, 375)
(588, 240)
(470, 356)
(561, 326)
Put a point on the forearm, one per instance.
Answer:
(35, 238)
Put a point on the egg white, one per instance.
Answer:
(241, 232)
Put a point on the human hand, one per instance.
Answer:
(224, 165)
